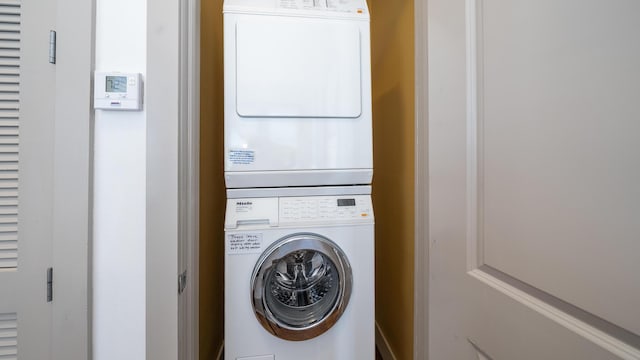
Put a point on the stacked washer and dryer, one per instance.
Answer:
(299, 227)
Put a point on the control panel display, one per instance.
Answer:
(117, 91)
(346, 202)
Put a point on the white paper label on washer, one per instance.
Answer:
(242, 156)
(244, 243)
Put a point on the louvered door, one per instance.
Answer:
(27, 114)
(9, 131)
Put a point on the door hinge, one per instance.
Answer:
(49, 284)
(52, 47)
(182, 282)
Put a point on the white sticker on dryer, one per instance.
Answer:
(242, 156)
(245, 243)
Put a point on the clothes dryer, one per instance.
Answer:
(299, 275)
(297, 93)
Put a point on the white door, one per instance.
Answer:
(26, 235)
(44, 172)
(534, 160)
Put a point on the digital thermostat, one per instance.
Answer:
(117, 91)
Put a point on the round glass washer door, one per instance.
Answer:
(301, 286)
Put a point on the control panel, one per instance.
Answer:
(295, 209)
(117, 91)
(345, 6)
(306, 210)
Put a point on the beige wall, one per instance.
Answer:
(393, 184)
(393, 191)
(212, 197)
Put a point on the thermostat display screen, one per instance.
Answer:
(116, 84)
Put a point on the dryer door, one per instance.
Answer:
(301, 286)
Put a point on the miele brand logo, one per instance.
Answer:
(244, 206)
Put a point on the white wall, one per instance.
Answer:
(119, 192)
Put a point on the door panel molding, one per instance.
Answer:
(479, 352)
(475, 257)
(596, 330)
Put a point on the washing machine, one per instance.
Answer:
(299, 274)
(297, 93)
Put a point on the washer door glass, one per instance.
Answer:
(301, 286)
